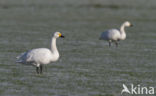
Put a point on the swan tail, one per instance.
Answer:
(21, 58)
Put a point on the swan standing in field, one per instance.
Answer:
(115, 35)
(41, 56)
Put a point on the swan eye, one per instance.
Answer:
(60, 34)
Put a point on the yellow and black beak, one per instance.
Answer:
(131, 25)
(60, 35)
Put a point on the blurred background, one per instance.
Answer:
(87, 66)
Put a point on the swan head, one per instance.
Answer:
(58, 34)
(128, 24)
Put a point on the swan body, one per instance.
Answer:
(41, 56)
(112, 34)
(115, 35)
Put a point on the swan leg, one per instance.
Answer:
(116, 43)
(41, 69)
(37, 70)
(109, 44)
(110, 41)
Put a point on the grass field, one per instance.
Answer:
(87, 66)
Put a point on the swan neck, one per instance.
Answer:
(53, 46)
(122, 32)
(122, 29)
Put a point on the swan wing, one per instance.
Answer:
(111, 34)
(39, 55)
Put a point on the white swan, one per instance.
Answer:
(41, 56)
(115, 35)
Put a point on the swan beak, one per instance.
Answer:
(131, 25)
(62, 36)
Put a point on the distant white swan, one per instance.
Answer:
(41, 56)
(115, 35)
